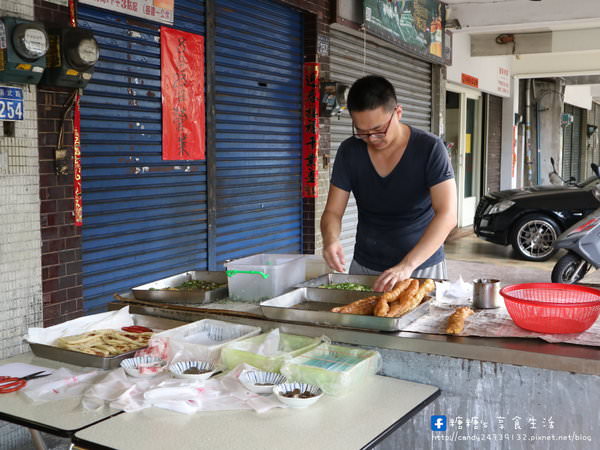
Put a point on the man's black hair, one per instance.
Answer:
(371, 92)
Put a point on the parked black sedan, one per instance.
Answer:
(531, 219)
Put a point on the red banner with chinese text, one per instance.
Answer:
(183, 101)
(77, 191)
(310, 130)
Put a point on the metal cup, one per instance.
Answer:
(486, 293)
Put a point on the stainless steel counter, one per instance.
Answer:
(533, 353)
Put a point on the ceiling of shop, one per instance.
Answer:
(571, 25)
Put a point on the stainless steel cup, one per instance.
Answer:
(486, 293)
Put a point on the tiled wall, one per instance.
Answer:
(20, 256)
(20, 280)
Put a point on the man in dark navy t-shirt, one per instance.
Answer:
(404, 187)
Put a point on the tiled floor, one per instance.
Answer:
(472, 257)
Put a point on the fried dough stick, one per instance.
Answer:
(363, 306)
(408, 303)
(456, 322)
(383, 304)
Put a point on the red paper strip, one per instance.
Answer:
(77, 191)
(310, 130)
(183, 102)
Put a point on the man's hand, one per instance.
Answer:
(388, 278)
(334, 256)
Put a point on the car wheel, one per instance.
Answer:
(533, 236)
(565, 268)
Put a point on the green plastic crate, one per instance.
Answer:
(290, 345)
(334, 368)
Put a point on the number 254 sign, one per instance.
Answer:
(11, 103)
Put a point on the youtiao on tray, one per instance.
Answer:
(104, 342)
(403, 298)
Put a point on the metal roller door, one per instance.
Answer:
(571, 162)
(259, 59)
(144, 218)
(410, 76)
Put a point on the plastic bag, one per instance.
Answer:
(335, 369)
(63, 383)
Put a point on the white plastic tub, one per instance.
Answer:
(263, 276)
(204, 339)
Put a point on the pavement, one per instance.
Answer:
(471, 257)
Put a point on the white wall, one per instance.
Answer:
(486, 69)
(580, 96)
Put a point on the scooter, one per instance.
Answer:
(556, 179)
(582, 242)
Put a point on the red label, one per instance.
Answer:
(183, 101)
(310, 130)
(470, 80)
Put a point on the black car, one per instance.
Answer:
(531, 219)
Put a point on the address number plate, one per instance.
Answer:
(11, 103)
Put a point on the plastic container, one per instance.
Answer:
(263, 276)
(315, 266)
(204, 339)
(290, 346)
(552, 307)
(334, 368)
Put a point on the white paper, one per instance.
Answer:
(108, 320)
(492, 323)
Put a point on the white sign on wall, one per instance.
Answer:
(156, 10)
(503, 81)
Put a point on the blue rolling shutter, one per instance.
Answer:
(144, 218)
(259, 59)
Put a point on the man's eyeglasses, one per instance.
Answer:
(376, 135)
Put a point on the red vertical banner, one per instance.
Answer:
(78, 203)
(183, 101)
(310, 130)
(77, 200)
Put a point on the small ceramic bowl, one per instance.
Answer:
(143, 366)
(299, 388)
(261, 382)
(205, 368)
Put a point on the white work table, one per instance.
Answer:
(360, 419)
(60, 417)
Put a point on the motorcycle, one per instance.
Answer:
(556, 179)
(582, 242)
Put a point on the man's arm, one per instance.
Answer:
(331, 227)
(443, 201)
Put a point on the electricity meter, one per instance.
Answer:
(23, 47)
(71, 59)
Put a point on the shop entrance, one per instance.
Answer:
(463, 137)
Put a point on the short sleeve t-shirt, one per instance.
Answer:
(393, 211)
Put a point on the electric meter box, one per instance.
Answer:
(71, 58)
(23, 47)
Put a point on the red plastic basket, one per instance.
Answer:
(552, 307)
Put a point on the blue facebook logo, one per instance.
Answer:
(438, 423)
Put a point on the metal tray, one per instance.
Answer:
(143, 292)
(312, 305)
(110, 362)
(336, 278)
